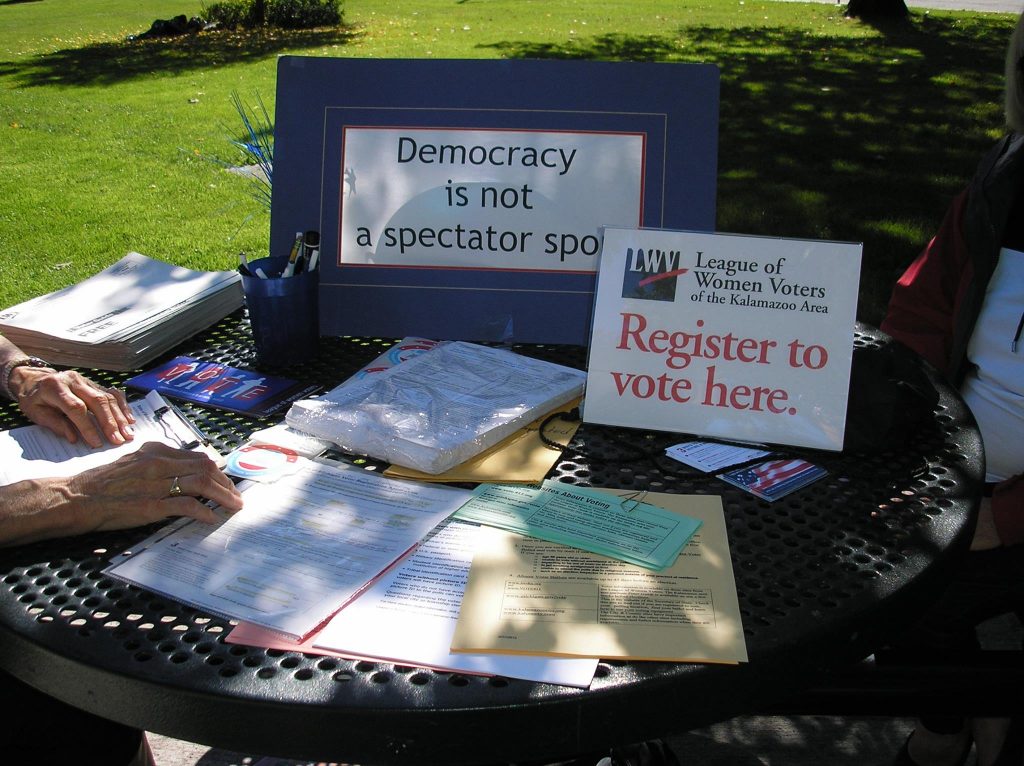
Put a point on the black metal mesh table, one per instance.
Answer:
(823, 576)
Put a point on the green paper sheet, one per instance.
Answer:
(623, 528)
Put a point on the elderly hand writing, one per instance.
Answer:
(151, 484)
(71, 405)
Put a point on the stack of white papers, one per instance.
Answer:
(301, 548)
(408, 616)
(124, 316)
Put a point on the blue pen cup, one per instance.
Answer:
(283, 311)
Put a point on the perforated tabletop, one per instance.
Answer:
(823, 576)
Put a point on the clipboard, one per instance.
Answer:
(33, 452)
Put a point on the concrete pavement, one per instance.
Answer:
(989, 6)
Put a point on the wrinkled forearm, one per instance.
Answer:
(8, 351)
(40, 509)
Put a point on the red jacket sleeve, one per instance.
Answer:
(925, 300)
(922, 312)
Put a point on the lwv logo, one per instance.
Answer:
(651, 274)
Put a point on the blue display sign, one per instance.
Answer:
(466, 199)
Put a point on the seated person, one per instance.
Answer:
(153, 483)
(960, 306)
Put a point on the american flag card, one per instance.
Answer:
(774, 478)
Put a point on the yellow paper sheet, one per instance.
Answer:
(527, 596)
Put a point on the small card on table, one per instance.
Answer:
(773, 479)
(708, 456)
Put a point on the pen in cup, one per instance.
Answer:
(243, 265)
(289, 269)
(310, 242)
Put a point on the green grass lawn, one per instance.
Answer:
(829, 127)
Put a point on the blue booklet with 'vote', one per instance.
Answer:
(223, 387)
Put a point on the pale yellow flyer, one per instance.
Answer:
(527, 596)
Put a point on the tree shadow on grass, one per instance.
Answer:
(109, 63)
(853, 139)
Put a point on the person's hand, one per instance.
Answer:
(986, 536)
(153, 483)
(73, 406)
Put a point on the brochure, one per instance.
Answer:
(621, 527)
(223, 387)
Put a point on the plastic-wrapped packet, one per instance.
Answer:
(439, 408)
